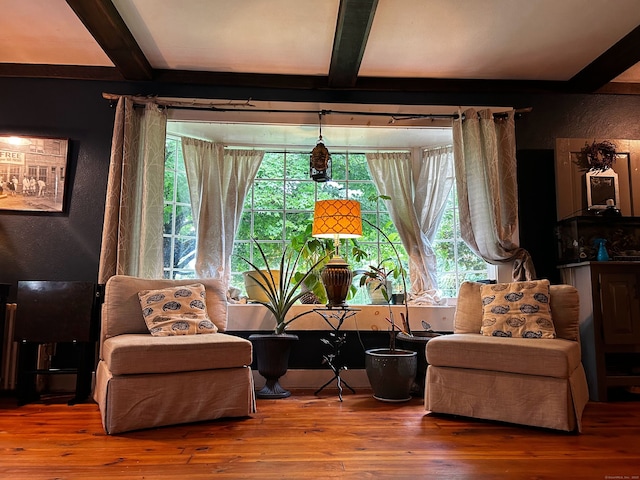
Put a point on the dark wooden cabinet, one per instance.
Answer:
(609, 322)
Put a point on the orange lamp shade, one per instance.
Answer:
(337, 219)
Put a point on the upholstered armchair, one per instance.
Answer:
(144, 381)
(496, 376)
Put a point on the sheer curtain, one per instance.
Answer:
(219, 180)
(485, 162)
(418, 185)
(133, 219)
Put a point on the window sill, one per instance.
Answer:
(253, 317)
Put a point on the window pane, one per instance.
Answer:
(330, 190)
(268, 225)
(166, 252)
(279, 206)
(170, 154)
(297, 165)
(297, 223)
(358, 169)
(184, 252)
(182, 188)
(363, 192)
(244, 229)
(167, 219)
(272, 166)
(268, 194)
(272, 251)
(184, 221)
(447, 282)
(299, 195)
(338, 166)
(169, 184)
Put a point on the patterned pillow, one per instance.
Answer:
(517, 309)
(176, 311)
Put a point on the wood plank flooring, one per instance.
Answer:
(309, 437)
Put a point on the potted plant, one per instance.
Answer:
(318, 252)
(378, 282)
(391, 371)
(313, 251)
(281, 292)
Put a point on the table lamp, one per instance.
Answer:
(337, 219)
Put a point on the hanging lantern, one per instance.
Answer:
(320, 159)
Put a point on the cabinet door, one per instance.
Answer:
(620, 308)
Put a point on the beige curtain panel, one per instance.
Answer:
(418, 190)
(485, 162)
(133, 220)
(219, 180)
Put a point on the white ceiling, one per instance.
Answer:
(495, 40)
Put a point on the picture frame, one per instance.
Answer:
(33, 173)
(602, 186)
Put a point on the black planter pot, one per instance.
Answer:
(272, 356)
(418, 343)
(391, 374)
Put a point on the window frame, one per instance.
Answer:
(170, 237)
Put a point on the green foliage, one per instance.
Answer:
(283, 295)
(283, 185)
(313, 251)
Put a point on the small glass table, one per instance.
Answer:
(335, 317)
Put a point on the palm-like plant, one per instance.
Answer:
(282, 295)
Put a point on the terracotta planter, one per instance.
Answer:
(391, 374)
(272, 356)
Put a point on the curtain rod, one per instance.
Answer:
(222, 108)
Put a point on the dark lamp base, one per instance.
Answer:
(336, 278)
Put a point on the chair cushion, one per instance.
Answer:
(143, 353)
(564, 305)
(179, 310)
(545, 357)
(121, 312)
(517, 309)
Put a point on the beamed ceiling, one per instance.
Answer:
(435, 46)
(387, 45)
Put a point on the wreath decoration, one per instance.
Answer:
(598, 157)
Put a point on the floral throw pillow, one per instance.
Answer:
(177, 310)
(517, 309)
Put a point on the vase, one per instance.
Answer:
(272, 357)
(391, 373)
(375, 290)
(417, 342)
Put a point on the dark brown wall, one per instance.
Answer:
(66, 247)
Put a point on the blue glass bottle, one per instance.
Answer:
(603, 255)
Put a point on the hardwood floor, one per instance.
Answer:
(317, 437)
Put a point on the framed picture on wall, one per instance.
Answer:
(33, 173)
(602, 187)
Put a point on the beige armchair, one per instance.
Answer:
(528, 381)
(145, 381)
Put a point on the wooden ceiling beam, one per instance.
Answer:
(65, 72)
(352, 31)
(105, 24)
(617, 59)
